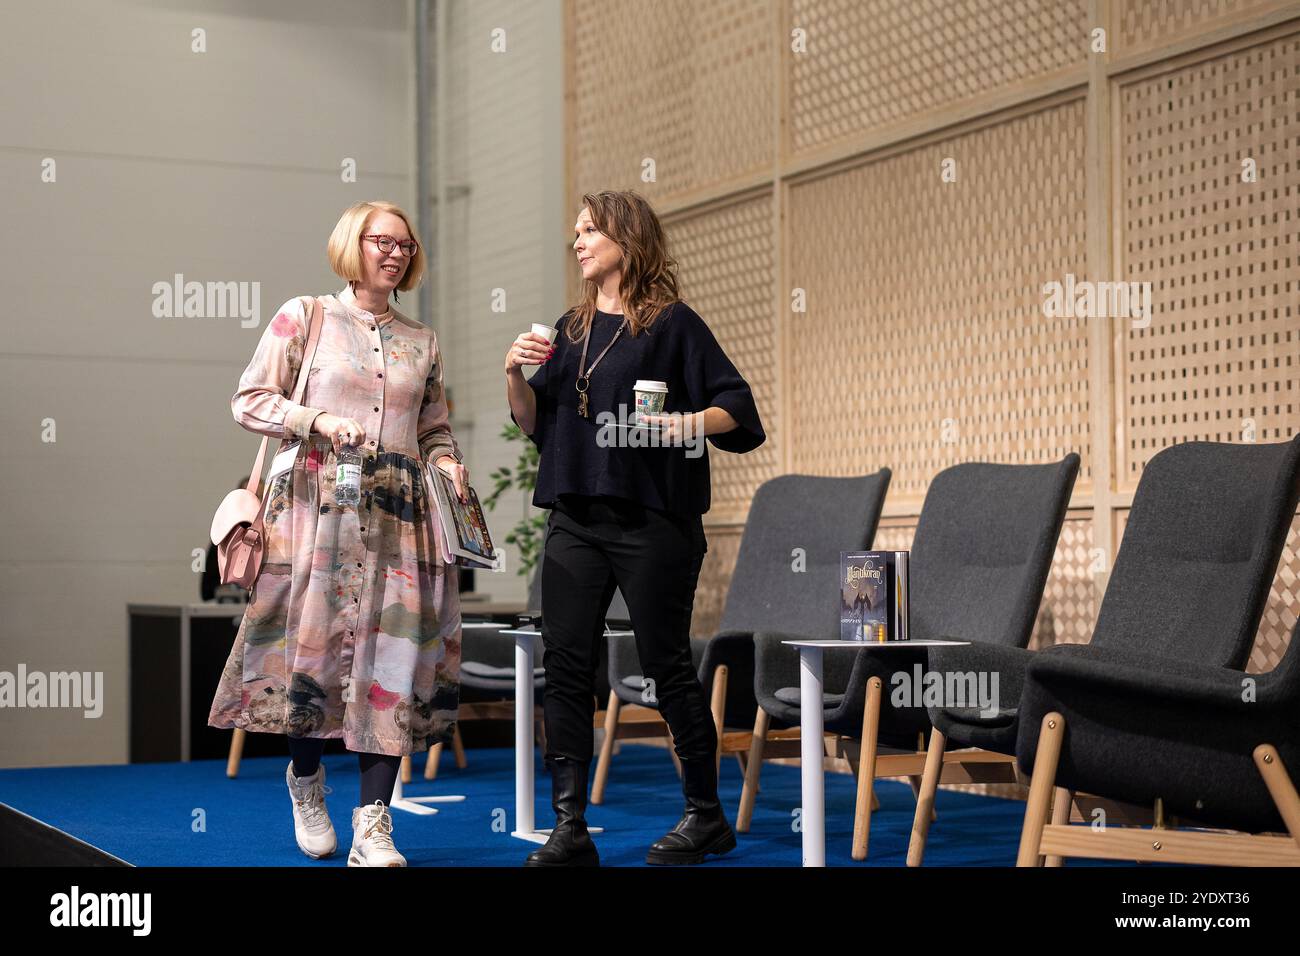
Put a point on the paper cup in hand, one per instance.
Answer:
(545, 331)
(650, 396)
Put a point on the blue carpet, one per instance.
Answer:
(190, 814)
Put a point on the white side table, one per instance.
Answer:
(416, 804)
(525, 822)
(811, 747)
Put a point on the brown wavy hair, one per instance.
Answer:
(649, 283)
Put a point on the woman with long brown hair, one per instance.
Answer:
(626, 500)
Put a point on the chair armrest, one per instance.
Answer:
(1108, 695)
(490, 649)
(1007, 661)
(624, 661)
(775, 664)
(699, 646)
(1139, 726)
(1123, 675)
(733, 649)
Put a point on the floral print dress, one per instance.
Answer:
(353, 628)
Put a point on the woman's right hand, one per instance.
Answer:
(340, 431)
(528, 349)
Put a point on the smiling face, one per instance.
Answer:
(598, 255)
(384, 270)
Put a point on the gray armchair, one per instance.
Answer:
(1157, 712)
(979, 562)
(795, 521)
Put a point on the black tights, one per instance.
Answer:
(378, 771)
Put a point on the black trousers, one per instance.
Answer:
(592, 545)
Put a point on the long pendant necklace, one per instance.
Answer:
(584, 378)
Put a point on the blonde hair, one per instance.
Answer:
(344, 248)
(649, 281)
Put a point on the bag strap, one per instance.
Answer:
(309, 350)
(300, 387)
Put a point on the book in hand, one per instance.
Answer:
(465, 538)
(873, 596)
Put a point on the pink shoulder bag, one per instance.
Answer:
(237, 525)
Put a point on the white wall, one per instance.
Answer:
(506, 223)
(225, 166)
(222, 166)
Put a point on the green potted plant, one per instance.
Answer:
(529, 533)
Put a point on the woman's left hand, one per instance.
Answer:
(676, 427)
(458, 474)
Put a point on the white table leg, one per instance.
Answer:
(811, 750)
(416, 804)
(525, 823)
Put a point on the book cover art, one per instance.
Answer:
(471, 527)
(873, 596)
(464, 524)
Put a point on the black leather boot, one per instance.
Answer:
(703, 829)
(569, 843)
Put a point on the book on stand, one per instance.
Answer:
(874, 596)
(465, 539)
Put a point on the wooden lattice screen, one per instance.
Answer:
(916, 170)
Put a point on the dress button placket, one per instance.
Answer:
(372, 428)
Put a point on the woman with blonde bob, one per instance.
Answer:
(625, 512)
(352, 630)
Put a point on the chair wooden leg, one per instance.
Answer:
(717, 705)
(867, 769)
(854, 764)
(434, 760)
(753, 764)
(606, 748)
(1040, 788)
(915, 782)
(458, 747)
(925, 798)
(742, 758)
(405, 770)
(1060, 815)
(1280, 787)
(236, 752)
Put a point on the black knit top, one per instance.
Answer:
(678, 349)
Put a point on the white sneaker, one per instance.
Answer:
(311, 821)
(372, 840)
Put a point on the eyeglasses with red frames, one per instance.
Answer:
(387, 244)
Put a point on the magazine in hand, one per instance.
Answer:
(465, 538)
